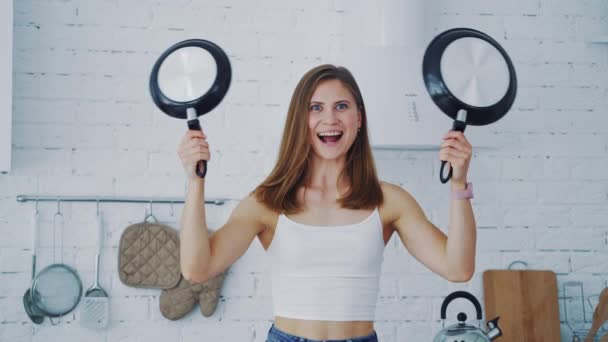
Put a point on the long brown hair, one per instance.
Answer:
(279, 190)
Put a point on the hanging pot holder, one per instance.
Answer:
(148, 256)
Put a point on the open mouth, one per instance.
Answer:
(330, 137)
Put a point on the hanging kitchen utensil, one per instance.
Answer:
(600, 315)
(32, 311)
(470, 78)
(575, 319)
(95, 308)
(57, 289)
(462, 331)
(190, 79)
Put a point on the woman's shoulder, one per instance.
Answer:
(255, 210)
(390, 189)
(395, 192)
(396, 199)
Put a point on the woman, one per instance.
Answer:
(325, 218)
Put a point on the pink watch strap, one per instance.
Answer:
(467, 193)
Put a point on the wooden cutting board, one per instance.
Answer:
(526, 302)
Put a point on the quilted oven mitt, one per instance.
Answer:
(148, 256)
(175, 303)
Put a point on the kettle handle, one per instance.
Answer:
(460, 294)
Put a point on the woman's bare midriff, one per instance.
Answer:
(324, 330)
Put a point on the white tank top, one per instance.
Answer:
(326, 272)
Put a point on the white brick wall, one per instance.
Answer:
(83, 123)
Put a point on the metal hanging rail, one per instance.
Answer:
(33, 198)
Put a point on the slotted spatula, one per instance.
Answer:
(95, 310)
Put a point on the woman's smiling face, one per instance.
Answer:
(333, 119)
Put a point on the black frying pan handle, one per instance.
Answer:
(194, 124)
(457, 126)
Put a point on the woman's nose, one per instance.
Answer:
(329, 115)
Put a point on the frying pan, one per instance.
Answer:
(188, 80)
(470, 77)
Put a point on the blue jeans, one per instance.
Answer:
(276, 335)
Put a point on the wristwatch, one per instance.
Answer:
(467, 193)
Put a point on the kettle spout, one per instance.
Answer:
(494, 331)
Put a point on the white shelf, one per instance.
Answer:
(599, 39)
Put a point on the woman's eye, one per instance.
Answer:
(315, 107)
(341, 106)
